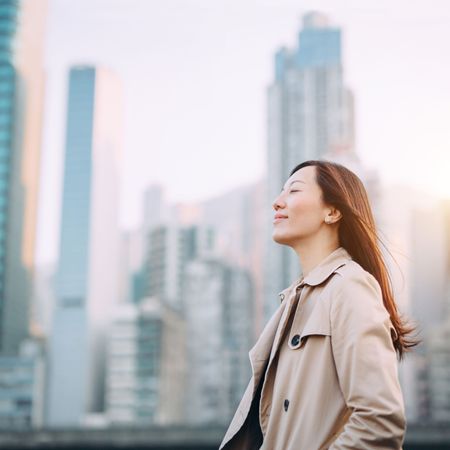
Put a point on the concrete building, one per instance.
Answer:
(219, 303)
(21, 100)
(431, 306)
(132, 253)
(430, 269)
(169, 248)
(155, 207)
(310, 116)
(428, 299)
(240, 225)
(22, 379)
(133, 276)
(146, 365)
(438, 373)
(43, 300)
(87, 278)
(414, 226)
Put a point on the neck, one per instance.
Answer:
(311, 254)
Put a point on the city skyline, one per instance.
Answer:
(153, 322)
(207, 76)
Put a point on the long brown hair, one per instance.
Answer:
(357, 233)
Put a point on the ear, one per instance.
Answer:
(333, 215)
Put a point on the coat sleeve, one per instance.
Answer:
(366, 365)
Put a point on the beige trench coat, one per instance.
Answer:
(339, 384)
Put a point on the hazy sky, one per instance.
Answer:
(195, 74)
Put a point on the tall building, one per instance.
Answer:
(131, 273)
(219, 308)
(146, 365)
(239, 222)
(43, 299)
(133, 276)
(169, 248)
(87, 278)
(430, 298)
(438, 373)
(310, 116)
(155, 207)
(21, 100)
(415, 229)
(429, 272)
(22, 379)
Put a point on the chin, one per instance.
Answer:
(284, 240)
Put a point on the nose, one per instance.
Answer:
(278, 202)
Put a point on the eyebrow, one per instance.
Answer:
(292, 182)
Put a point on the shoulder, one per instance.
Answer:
(352, 272)
(356, 308)
(356, 288)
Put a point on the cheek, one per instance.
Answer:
(306, 213)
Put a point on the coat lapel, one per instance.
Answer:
(259, 353)
(282, 324)
(316, 277)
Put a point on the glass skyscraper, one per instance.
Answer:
(87, 277)
(21, 95)
(310, 116)
(69, 346)
(8, 23)
(21, 98)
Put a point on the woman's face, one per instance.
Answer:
(300, 201)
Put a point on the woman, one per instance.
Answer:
(324, 368)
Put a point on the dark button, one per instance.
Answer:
(295, 340)
(286, 404)
(282, 297)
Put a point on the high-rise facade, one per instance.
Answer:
(430, 297)
(169, 248)
(429, 275)
(238, 219)
(438, 373)
(219, 307)
(8, 17)
(86, 284)
(310, 116)
(22, 379)
(146, 365)
(21, 99)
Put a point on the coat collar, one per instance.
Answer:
(322, 271)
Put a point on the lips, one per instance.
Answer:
(279, 218)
